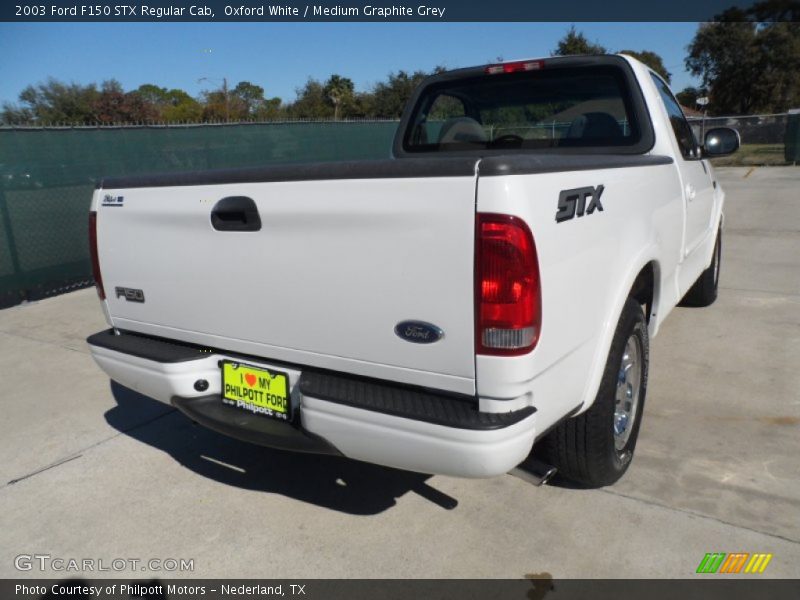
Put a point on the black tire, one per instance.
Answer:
(583, 448)
(704, 290)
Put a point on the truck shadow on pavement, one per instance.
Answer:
(329, 481)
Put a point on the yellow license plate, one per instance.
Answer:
(255, 389)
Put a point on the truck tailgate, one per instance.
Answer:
(335, 266)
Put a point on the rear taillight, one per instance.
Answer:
(508, 292)
(98, 279)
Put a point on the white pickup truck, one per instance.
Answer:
(491, 285)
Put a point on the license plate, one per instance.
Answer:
(258, 390)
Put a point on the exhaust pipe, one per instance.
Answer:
(534, 471)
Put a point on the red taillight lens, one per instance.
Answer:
(98, 279)
(515, 67)
(508, 291)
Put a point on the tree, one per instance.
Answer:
(749, 60)
(113, 105)
(180, 107)
(339, 91)
(720, 54)
(152, 94)
(688, 96)
(13, 114)
(311, 102)
(362, 105)
(246, 99)
(574, 42)
(54, 102)
(652, 60)
(390, 98)
(170, 106)
(270, 110)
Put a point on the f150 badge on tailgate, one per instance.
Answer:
(130, 294)
(573, 202)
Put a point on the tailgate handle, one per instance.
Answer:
(235, 213)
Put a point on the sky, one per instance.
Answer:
(280, 57)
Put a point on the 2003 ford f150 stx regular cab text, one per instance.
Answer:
(492, 284)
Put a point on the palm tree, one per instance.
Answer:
(339, 90)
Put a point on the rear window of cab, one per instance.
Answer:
(579, 107)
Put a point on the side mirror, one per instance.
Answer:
(720, 141)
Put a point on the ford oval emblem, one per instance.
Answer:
(418, 332)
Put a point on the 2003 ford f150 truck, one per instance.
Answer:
(492, 284)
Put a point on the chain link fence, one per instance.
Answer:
(47, 176)
(754, 129)
(773, 138)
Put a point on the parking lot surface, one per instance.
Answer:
(93, 470)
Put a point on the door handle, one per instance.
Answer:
(236, 213)
(690, 191)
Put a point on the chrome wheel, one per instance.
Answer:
(626, 404)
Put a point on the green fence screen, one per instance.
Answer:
(792, 144)
(47, 176)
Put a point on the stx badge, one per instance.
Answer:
(573, 202)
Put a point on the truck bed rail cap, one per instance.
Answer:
(528, 164)
(362, 169)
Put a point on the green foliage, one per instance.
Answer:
(688, 96)
(170, 106)
(269, 110)
(311, 102)
(446, 107)
(153, 94)
(652, 60)
(55, 102)
(574, 42)
(336, 98)
(248, 101)
(340, 93)
(180, 107)
(113, 105)
(749, 60)
(390, 97)
(245, 102)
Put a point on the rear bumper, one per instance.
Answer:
(373, 421)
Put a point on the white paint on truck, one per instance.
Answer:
(339, 261)
(334, 267)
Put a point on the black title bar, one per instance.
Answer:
(366, 11)
(537, 587)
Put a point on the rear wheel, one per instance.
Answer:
(596, 447)
(704, 290)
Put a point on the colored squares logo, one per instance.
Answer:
(735, 562)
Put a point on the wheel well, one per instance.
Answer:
(643, 289)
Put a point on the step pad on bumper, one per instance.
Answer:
(156, 349)
(420, 405)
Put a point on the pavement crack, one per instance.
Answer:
(81, 452)
(46, 342)
(47, 468)
(698, 515)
